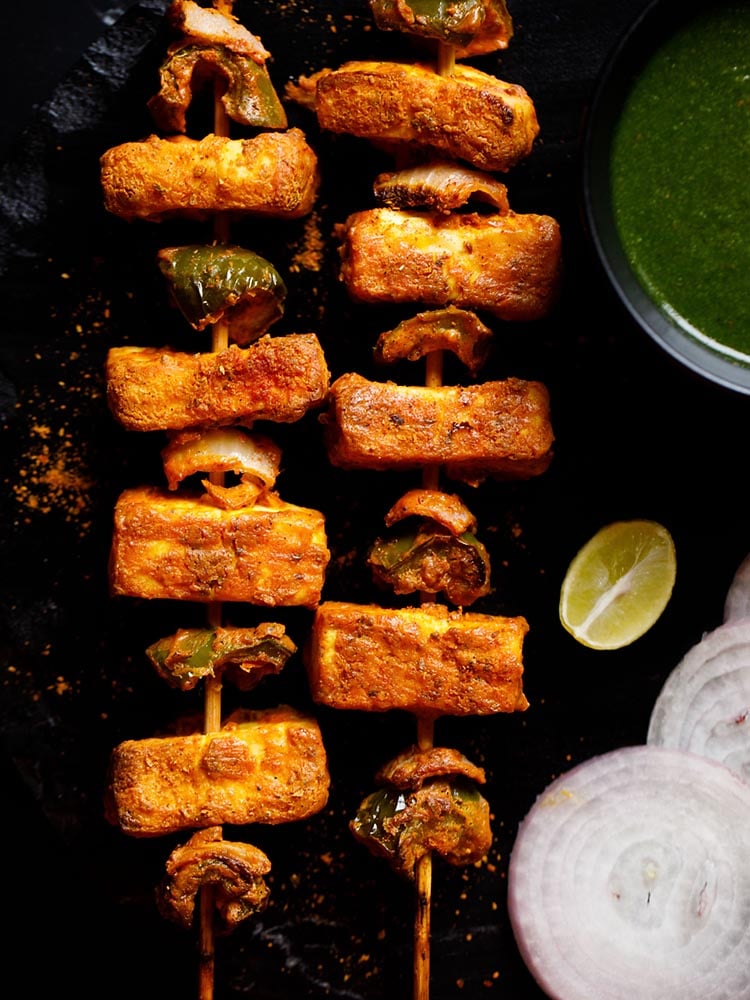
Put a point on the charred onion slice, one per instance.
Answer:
(704, 705)
(440, 185)
(210, 26)
(410, 769)
(629, 878)
(235, 870)
(241, 655)
(249, 96)
(447, 509)
(221, 449)
(208, 283)
(446, 816)
(443, 555)
(432, 560)
(451, 329)
(473, 26)
(245, 494)
(737, 602)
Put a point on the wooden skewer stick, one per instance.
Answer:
(433, 380)
(425, 740)
(207, 950)
(446, 60)
(423, 879)
(212, 691)
(423, 876)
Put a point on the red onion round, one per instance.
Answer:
(629, 880)
(704, 705)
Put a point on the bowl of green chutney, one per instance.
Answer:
(666, 181)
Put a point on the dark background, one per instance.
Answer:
(41, 48)
(636, 437)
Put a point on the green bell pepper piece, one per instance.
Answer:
(207, 282)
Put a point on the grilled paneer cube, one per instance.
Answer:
(272, 174)
(275, 378)
(468, 115)
(185, 548)
(428, 660)
(496, 429)
(266, 766)
(506, 264)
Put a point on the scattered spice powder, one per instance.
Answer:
(53, 475)
(310, 254)
(53, 471)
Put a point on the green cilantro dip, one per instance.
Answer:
(680, 176)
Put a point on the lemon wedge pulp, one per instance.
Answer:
(618, 584)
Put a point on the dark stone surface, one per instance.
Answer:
(636, 437)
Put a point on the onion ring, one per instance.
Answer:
(446, 509)
(442, 185)
(704, 705)
(629, 878)
(221, 449)
(737, 601)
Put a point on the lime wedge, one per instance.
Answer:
(618, 584)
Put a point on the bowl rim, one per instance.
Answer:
(658, 20)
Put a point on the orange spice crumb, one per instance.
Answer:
(310, 254)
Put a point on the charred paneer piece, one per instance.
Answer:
(185, 548)
(429, 660)
(468, 115)
(507, 264)
(275, 378)
(499, 429)
(265, 766)
(271, 174)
